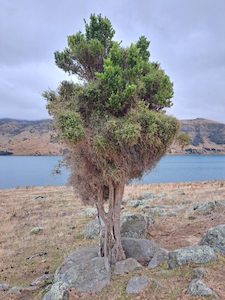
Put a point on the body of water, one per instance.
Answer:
(16, 171)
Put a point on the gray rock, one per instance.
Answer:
(133, 226)
(88, 276)
(58, 291)
(215, 238)
(161, 256)
(36, 230)
(43, 280)
(220, 203)
(149, 196)
(93, 228)
(199, 273)
(137, 284)
(84, 271)
(89, 212)
(194, 254)
(205, 207)
(142, 203)
(75, 258)
(126, 266)
(15, 290)
(4, 287)
(140, 249)
(199, 288)
(166, 210)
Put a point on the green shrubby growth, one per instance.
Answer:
(113, 120)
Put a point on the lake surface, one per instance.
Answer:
(18, 171)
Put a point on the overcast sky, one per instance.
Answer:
(187, 38)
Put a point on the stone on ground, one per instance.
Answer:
(199, 288)
(137, 284)
(126, 266)
(220, 203)
(92, 229)
(194, 254)
(161, 256)
(4, 287)
(205, 207)
(36, 230)
(141, 249)
(133, 226)
(89, 212)
(84, 271)
(43, 280)
(199, 273)
(75, 258)
(215, 238)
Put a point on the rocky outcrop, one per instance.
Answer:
(82, 270)
(215, 238)
(194, 254)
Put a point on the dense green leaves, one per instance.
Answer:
(117, 108)
(71, 126)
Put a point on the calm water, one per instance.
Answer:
(37, 170)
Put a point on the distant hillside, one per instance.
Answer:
(21, 137)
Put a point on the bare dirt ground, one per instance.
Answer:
(25, 256)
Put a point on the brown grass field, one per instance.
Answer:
(25, 256)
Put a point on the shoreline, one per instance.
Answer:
(167, 154)
(133, 186)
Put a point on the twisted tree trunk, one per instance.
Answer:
(110, 243)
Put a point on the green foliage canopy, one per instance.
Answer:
(112, 119)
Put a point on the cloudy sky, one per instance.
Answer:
(187, 38)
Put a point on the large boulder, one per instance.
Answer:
(194, 254)
(126, 266)
(76, 258)
(199, 288)
(83, 270)
(87, 276)
(133, 226)
(140, 249)
(137, 284)
(215, 238)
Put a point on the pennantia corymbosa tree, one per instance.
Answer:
(111, 118)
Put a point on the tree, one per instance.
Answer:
(112, 119)
(183, 140)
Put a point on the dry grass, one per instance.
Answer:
(59, 213)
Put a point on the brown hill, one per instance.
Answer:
(207, 137)
(21, 137)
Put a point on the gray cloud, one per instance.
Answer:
(187, 38)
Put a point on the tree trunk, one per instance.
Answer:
(110, 243)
